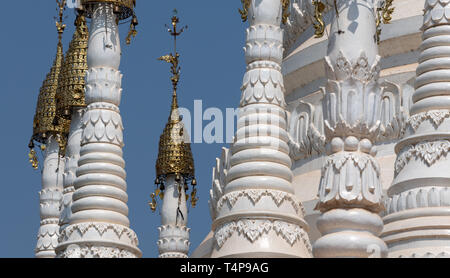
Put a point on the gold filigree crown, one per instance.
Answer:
(123, 8)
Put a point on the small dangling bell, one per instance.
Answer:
(80, 9)
(157, 181)
(33, 159)
(31, 144)
(135, 21)
(117, 10)
(153, 203)
(194, 182)
(194, 198)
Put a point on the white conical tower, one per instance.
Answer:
(417, 223)
(350, 189)
(51, 135)
(70, 104)
(255, 211)
(99, 225)
(174, 170)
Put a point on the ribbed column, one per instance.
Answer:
(50, 199)
(71, 165)
(350, 187)
(258, 214)
(173, 233)
(99, 225)
(417, 223)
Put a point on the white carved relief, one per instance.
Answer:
(255, 195)
(173, 255)
(47, 239)
(350, 180)
(427, 255)
(306, 134)
(394, 113)
(359, 70)
(102, 125)
(218, 181)
(352, 102)
(101, 229)
(264, 42)
(85, 251)
(436, 117)
(263, 85)
(438, 13)
(424, 197)
(253, 229)
(428, 152)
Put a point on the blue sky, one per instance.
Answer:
(212, 64)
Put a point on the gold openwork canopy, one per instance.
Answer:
(123, 8)
(175, 155)
(71, 89)
(44, 124)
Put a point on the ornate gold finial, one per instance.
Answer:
(246, 7)
(319, 26)
(60, 26)
(44, 124)
(71, 82)
(175, 155)
(384, 14)
(170, 58)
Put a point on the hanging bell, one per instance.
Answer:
(153, 203)
(135, 21)
(31, 144)
(194, 182)
(80, 9)
(117, 10)
(194, 198)
(157, 181)
(33, 159)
